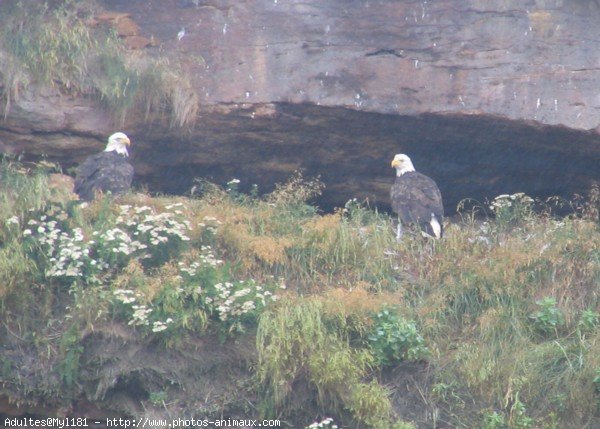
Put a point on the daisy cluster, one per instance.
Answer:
(238, 299)
(138, 232)
(511, 209)
(232, 186)
(14, 220)
(206, 259)
(230, 300)
(203, 281)
(210, 224)
(141, 312)
(326, 423)
(147, 226)
(67, 252)
(504, 201)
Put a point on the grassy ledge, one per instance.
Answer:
(319, 317)
(52, 43)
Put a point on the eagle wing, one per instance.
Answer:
(415, 197)
(106, 172)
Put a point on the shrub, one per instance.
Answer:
(297, 342)
(588, 321)
(234, 302)
(296, 190)
(509, 210)
(198, 289)
(493, 420)
(596, 381)
(548, 319)
(69, 253)
(394, 339)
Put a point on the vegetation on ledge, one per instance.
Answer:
(54, 44)
(241, 306)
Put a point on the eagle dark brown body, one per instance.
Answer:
(108, 171)
(416, 199)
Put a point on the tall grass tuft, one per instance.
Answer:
(22, 189)
(53, 45)
(300, 348)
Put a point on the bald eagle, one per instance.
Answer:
(416, 199)
(107, 171)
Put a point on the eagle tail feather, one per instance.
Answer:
(436, 226)
(433, 228)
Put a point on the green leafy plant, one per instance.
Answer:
(295, 338)
(448, 393)
(494, 420)
(158, 398)
(588, 321)
(205, 289)
(548, 318)
(518, 418)
(394, 339)
(71, 349)
(136, 233)
(596, 381)
(509, 210)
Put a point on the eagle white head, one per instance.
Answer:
(118, 142)
(402, 164)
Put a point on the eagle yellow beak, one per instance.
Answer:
(395, 163)
(126, 141)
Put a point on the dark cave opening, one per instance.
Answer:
(469, 156)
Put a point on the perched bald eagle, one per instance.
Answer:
(107, 171)
(416, 199)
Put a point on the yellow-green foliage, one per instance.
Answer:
(20, 190)
(298, 343)
(507, 308)
(55, 46)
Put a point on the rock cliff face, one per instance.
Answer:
(486, 97)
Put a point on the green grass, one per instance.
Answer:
(299, 343)
(504, 311)
(53, 45)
